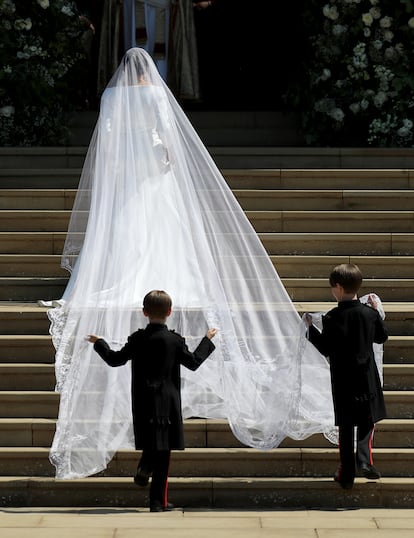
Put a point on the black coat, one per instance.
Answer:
(156, 354)
(347, 338)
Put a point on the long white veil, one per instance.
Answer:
(152, 211)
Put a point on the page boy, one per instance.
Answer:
(156, 354)
(347, 338)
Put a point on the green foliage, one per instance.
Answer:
(358, 80)
(41, 63)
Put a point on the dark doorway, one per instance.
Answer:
(249, 53)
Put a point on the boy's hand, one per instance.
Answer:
(201, 5)
(372, 302)
(211, 333)
(308, 319)
(92, 338)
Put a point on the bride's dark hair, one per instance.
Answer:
(135, 59)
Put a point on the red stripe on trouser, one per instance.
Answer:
(166, 486)
(371, 460)
(166, 494)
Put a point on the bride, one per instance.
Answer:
(152, 211)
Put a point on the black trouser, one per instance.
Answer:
(365, 431)
(157, 463)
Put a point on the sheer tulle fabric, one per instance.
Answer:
(152, 211)
(378, 348)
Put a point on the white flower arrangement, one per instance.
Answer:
(40, 46)
(367, 47)
(367, 18)
(7, 111)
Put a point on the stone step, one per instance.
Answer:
(248, 462)
(39, 348)
(232, 157)
(35, 376)
(44, 404)
(399, 349)
(310, 221)
(264, 136)
(397, 403)
(45, 157)
(23, 432)
(32, 242)
(325, 200)
(17, 348)
(28, 376)
(202, 433)
(208, 492)
(308, 266)
(312, 158)
(242, 128)
(34, 221)
(39, 432)
(255, 199)
(31, 289)
(238, 119)
(398, 376)
(38, 199)
(240, 475)
(350, 244)
(318, 289)
(219, 462)
(262, 221)
(29, 179)
(336, 244)
(262, 176)
(23, 320)
(30, 319)
(29, 403)
(296, 178)
(31, 265)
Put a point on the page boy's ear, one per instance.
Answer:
(169, 312)
(145, 312)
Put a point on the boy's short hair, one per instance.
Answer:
(347, 275)
(157, 304)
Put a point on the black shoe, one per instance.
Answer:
(370, 472)
(159, 508)
(345, 484)
(142, 477)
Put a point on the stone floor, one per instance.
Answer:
(183, 523)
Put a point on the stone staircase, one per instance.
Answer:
(309, 219)
(244, 128)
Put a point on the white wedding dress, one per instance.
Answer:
(152, 211)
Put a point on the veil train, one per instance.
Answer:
(153, 211)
